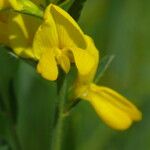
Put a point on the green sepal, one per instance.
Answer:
(102, 67)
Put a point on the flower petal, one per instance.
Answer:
(93, 51)
(21, 31)
(83, 60)
(45, 38)
(68, 30)
(47, 66)
(91, 48)
(115, 110)
(110, 114)
(118, 101)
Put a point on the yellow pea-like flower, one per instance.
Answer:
(56, 40)
(60, 41)
(17, 30)
(114, 109)
(21, 34)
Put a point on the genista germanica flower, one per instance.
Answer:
(114, 109)
(17, 30)
(60, 41)
(57, 41)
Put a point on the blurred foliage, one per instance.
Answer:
(120, 28)
(76, 8)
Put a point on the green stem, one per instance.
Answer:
(70, 106)
(57, 131)
(57, 134)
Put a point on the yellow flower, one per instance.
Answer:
(114, 109)
(21, 33)
(17, 32)
(59, 40)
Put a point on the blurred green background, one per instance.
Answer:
(119, 27)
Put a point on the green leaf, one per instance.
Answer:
(102, 67)
(76, 8)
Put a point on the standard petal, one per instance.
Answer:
(47, 66)
(91, 48)
(45, 38)
(93, 51)
(84, 61)
(118, 101)
(21, 31)
(109, 113)
(68, 30)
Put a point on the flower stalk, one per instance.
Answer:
(59, 118)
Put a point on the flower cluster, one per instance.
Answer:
(57, 40)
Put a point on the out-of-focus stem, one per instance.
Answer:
(57, 131)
